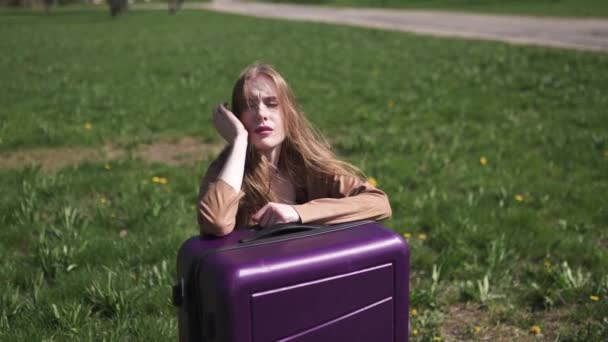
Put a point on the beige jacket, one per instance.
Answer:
(323, 200)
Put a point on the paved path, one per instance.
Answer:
(585, 34)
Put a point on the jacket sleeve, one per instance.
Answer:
(218, 203)
(348, 199)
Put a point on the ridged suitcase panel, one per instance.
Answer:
(287, 311)
(372, 323)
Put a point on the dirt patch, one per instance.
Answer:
(173, 152)
(57, 158)
(461, 320)
(176, 152)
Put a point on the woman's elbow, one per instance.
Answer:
(215, 226)
(386, 210)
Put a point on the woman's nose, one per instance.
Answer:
(262, 112)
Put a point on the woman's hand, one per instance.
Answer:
(274, 213)
(227, 124)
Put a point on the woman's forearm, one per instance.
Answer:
(234, 167)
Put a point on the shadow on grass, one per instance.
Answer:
(78, 15)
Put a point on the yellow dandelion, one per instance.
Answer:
(103, 200)
(415, 332)
(594, 298)
(437, 338)
(476, 329)
(535, 329)
(407, 235)
(422, 236)
(414, 312)
(547, 263)
(391, 104)
(160, 180)
(107, 166)
(483, 160)
(372, 181)
(88, 126)
(519, 198)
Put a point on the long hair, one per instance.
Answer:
(304, 153)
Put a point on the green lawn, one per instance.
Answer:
(560, 8)
(89, 250)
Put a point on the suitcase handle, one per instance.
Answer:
(281, 229)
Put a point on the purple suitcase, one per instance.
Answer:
(304, 283)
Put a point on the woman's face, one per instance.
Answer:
(263, 118)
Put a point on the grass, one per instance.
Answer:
(557, 8)
(89, 251)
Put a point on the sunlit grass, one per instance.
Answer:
(495, 159)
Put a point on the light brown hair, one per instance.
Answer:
(304, 152)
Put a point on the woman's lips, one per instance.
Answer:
(264, 130)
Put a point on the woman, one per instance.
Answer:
(276, 167)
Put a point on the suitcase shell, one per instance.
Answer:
(347, 282)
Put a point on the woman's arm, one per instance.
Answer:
(345, 199)
(234, 167)
(220, 189)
